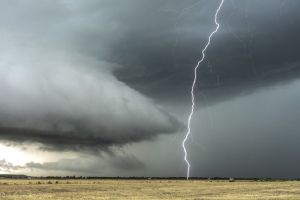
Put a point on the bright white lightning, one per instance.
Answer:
(193, 86)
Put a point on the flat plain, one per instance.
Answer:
(147, 189)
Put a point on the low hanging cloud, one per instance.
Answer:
(8, 167)
(70, 102)
(80, 166)
(91, 165)
(127, 162)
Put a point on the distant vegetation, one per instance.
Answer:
(232, 179)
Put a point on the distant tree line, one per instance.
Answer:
(231, 179)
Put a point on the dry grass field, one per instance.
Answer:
(146, 189)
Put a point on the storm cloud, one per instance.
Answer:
(158, 43)
(254, 48)
(89, 165)
(68, 101)
(102, 75)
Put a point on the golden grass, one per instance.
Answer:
(147, 189)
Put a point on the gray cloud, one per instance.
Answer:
(86, 165)
(78, 166)
(68, 101)
(128, 162)
(8, 167)
(158, 43)
(254, 48)
(250, 136)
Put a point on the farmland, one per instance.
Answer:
(35, 189)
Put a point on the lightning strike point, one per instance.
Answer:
(192, 90)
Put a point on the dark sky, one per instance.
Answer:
(103, 87)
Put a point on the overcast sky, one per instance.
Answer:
(102, 87)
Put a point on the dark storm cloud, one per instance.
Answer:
(255, 47)
(251, 136)
(157, 43)
(66, 104)
(55, 93)
(127, 163)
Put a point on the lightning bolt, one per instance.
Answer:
(193, 86)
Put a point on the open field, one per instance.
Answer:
(147, 189)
